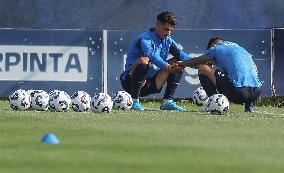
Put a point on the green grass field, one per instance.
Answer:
(149, 141)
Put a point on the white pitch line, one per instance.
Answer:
(265, 112)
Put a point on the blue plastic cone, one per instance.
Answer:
(49, 138)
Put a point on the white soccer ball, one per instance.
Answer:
(81, 101)
(122, 100)
(53, 92)
(30, 91)
(39, 100)
(199, 97)
(101, 102)
(20, 100)
(218, 104)
(59, 101)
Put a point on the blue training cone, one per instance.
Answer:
(49, 138)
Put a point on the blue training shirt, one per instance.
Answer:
(148, 44)
(236, 62)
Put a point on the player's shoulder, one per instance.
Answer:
(229, 43)
(147, 34)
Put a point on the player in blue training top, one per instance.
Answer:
(147, 68)
(234, 74)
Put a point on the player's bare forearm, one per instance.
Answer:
(194, 61)
(174, 68)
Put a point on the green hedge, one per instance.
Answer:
(275, 101)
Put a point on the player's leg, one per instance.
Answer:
(255, 94)
(138, 75)
(172, 80)
(155, 84)
(248, 96)
(226, 87)
(238, 95)
(206, 74)
(244, 95)
(141, 85)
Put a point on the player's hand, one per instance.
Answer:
(210, 63)
(176, 68)
(182, 64)
(170, 68)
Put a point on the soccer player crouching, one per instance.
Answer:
(147, 68)
(234, 73)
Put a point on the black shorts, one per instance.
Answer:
(149, 87)
(235, 94)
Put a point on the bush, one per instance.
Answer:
(275, 101)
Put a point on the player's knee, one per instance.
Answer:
(205, 69)
(143, 60)
(172, 60)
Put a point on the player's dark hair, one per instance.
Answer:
(213, 41)
(167, 17)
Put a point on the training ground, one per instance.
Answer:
(151, 141)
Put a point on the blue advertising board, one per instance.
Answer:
(193, 42)
(68, 60)
(92, 61)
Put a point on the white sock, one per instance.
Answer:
(167, 100)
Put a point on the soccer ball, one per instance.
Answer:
(30, 91)
(53, 92)
(20, 100)
(39, 100)
(59, 101)
(81, 101)
(199, 97)
(218, 104)
(122, 100)
(101, 102)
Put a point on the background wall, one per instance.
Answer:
(137, 14)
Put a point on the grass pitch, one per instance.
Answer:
(150, 141)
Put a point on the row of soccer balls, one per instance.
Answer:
(60, 101)
(81, 101)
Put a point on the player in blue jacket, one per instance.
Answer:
(147, 68)
(234, 74)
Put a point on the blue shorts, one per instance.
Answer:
(235, 94)
(149, 87)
